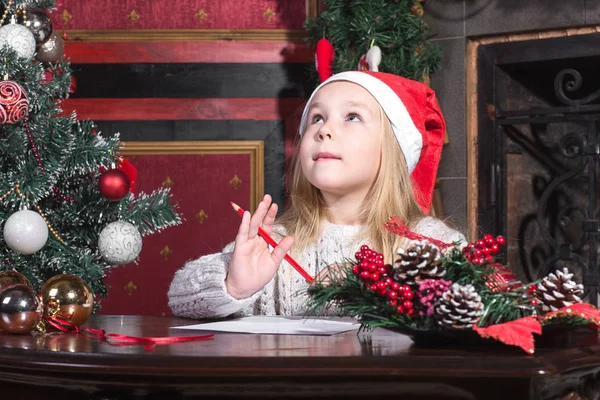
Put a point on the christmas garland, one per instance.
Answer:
(438, 292)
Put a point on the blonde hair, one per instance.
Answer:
(391, 194)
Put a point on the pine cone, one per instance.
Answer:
(460, 307)
(421, 260)
(558, 290)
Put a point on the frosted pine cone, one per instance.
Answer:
(421, 260)
(558, 290)
(460, 307)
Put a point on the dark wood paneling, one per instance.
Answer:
(201, 80)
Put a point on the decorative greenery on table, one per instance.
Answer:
(442, 291)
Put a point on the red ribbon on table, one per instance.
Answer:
(116, 339)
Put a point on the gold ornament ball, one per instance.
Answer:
(20, 308)
(12, 276)
(67, 297)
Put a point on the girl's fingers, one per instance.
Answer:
(259, 216)
(242, 235)
(270, 219)
(282, 248)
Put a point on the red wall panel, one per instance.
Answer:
(188, 52)
(181, 109)
(180, 14)
(200, 185)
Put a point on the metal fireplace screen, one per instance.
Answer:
(538, 153)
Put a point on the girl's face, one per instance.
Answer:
(340, 151)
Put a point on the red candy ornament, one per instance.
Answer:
(14, 104)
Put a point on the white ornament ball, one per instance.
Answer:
(19, 38)
(25, 232)
(120, 243)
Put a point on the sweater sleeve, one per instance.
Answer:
(437, 229)
(198, 289)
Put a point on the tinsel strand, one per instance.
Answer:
(39, 163)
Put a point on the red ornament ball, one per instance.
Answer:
(113, 184)
(14, 104)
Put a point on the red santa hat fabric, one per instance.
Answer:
(416, 120)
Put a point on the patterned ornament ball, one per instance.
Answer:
(18, 38)
(114, 184)
(52, 50)
(14, 104)
(20, 308)
(120, 243)
(40, 25)
(67, 298)
(25, 232)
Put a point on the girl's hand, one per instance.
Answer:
(252, 264)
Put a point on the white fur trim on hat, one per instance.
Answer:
(408, 136)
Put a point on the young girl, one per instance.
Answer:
(369, 150)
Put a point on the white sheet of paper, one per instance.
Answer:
(276, 325)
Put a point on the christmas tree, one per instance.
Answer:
(394, 28)
(67, 198)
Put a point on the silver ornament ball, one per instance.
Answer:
(120, 243)
(20, 308)
(51, 51)
(40, 25)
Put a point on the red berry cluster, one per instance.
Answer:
(482, 251)
(378, 278)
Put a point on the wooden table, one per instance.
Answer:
(270, 366)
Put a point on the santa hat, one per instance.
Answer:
(416, 120)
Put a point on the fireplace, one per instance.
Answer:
(536, 152)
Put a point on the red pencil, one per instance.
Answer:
(273, 243)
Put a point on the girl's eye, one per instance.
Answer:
(353, 118)
(316, 118)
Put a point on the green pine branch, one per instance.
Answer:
(347, 296)
(352, 26)
(152, 212)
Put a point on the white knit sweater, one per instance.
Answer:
(198, 289)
